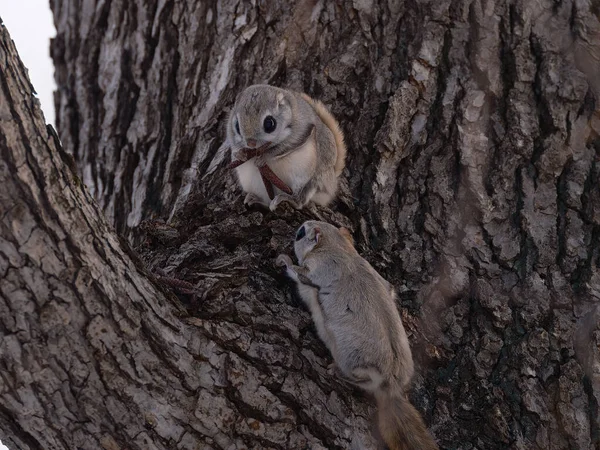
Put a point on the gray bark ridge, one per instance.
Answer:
(94, 356)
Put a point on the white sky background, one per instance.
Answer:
(31, 26)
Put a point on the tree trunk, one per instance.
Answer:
(473, 185)
(94, 356)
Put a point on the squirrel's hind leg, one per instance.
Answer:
(283, 197)
(367, 378)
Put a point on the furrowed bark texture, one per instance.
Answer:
(472, 185)
(94, 356)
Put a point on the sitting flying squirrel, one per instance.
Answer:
(355, 315)
(285, 146)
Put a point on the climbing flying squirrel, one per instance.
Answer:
(355, 314)
(285, 146)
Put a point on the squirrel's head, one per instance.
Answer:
(314, 234)
(261, 114)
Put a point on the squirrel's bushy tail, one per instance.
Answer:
(334, 126)
(400, 424)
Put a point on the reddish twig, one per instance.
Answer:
(249, 153)
(268, 176)
(182, 286)
(236, 163)
(267, 173)
(268, 185)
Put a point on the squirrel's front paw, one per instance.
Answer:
(283, 261)
(241, 155)
(252, 199)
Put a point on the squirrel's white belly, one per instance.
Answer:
(251, 180)
(295, 169)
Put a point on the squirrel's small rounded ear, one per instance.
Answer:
(280, 98)
(346, 233)
(317, 233)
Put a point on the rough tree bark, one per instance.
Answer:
(472, 184)
(94, 356)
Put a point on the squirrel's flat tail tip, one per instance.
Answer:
(401, 425)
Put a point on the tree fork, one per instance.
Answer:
(92, 354)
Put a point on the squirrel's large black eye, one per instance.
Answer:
(269, 124)
(300, 234)
(237, 127)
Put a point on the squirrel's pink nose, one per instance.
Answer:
(251, 143)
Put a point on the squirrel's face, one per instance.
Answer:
(313, 233)
(307, 237)
(262, 114)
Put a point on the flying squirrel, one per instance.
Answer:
(355, 315)
(285, 146)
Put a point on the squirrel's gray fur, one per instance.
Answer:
(307, 149)
(355, 315)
